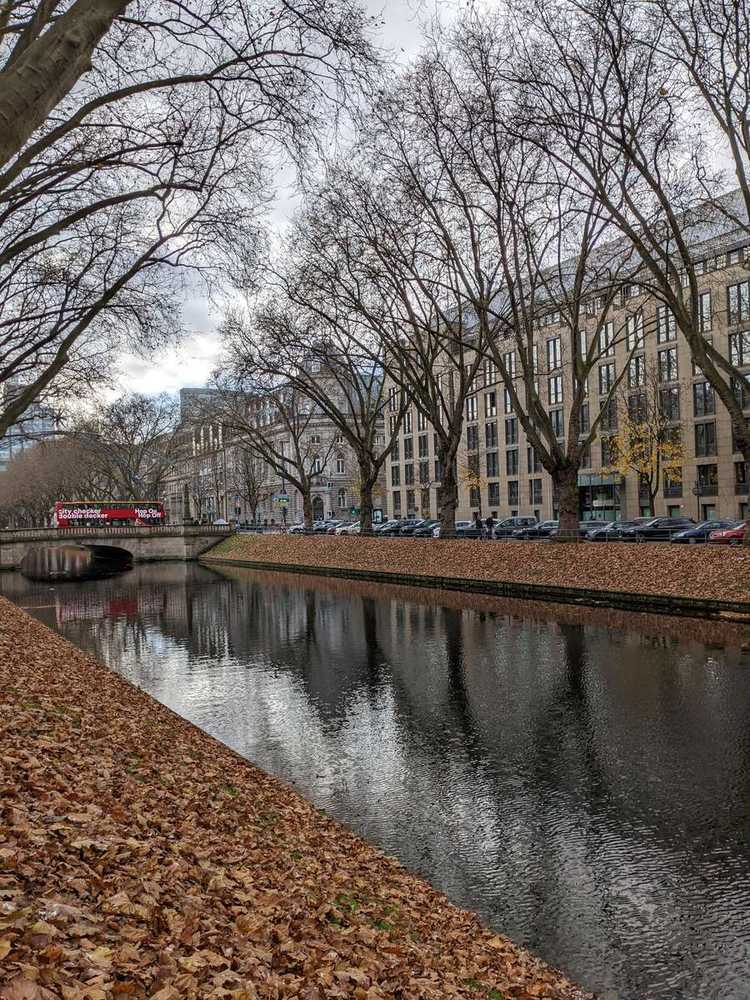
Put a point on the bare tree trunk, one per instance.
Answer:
(45, 72)
(448, 500)
(565, 482)
(307, 511)
(365, 501)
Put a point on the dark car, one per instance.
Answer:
(583, 528)
(700, 532)
(323, 527)
(409, 526)
(657, 529)
(542, 530)
(394, 527)
(469, 529)
(426, 528)
(611, 531)
(507, 527)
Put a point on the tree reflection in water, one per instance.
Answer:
(580, 779)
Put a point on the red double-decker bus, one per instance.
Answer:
(91, 513)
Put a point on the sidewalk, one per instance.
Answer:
(141, 858)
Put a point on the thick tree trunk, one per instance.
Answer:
(565, 481)
(742, 437)
(365, 506)
(448, 501)
(307, 511)
(46, 71)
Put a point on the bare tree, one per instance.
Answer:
(133, 443)
(608, 89)
(131, 159)
(299, 337)
(249, 478)
(42, 474)
(280, 424)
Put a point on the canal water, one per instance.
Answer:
(580, 779)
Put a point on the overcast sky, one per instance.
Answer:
(192, 362)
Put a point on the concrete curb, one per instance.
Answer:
(650, 603)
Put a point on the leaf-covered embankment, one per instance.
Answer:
(141, 858)
(705, 573)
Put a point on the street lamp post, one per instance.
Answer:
(696, 491)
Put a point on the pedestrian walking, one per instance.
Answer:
(490, 526)
(479, 525)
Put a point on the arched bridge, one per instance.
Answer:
(145, 544)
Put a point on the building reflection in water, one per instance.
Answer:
(578, 778)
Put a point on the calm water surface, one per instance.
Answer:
(582, 782)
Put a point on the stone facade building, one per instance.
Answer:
(222, 476)
(713, 479)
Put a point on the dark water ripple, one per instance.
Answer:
(580, 780)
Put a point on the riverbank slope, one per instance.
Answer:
(656, 576)
(141, 858)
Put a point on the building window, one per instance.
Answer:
(739, 349)
(409, 449)
(472, 438)
(705, 318)
(705, 439)
(669, 402)
(408, 474)
(395, 451)
(533, 464)
(636, 372)
(637, 407)
(513, 493)
(490, 404)
(586, 457)
(493, 494)
(438, 470)
(393, 398)
(395, 475)
(396, 502)
(584, 420)
(607, 340)
(410, 502)
(704, 400)
(509, 362)
(423, 444)
(634, 332)
(424, 472)
(738, 302)
(407, 422)
(317, 466)
(421, 421)
(342, 498)
(740, 477)
(490, 435)
(511, 462)
(507, 402)
(558, 422)
(606, 378)
(667, 364)
(471, 408)
(554, 353)
(535, 492)
(741, 390)
(392, 423)
(583, 344)
(608, 451)
(511, 431)
(490, 373)
(555, 390)
(666, 328)
(708, 480)
(340, 465)
(493, 468)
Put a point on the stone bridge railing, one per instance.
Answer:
(144, 543)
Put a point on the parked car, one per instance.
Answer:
(657, 529)
(729, 536)
(323, 527)
(506, 527)
(390, 527)
(426, 528)
(542, 530)
(221, 520)
(700, 533)
(333, 526)
(296, 529)
(611, 531)
(348, 529)
(583, 528)
(410, 526)
(472, 531)
(460, 526)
